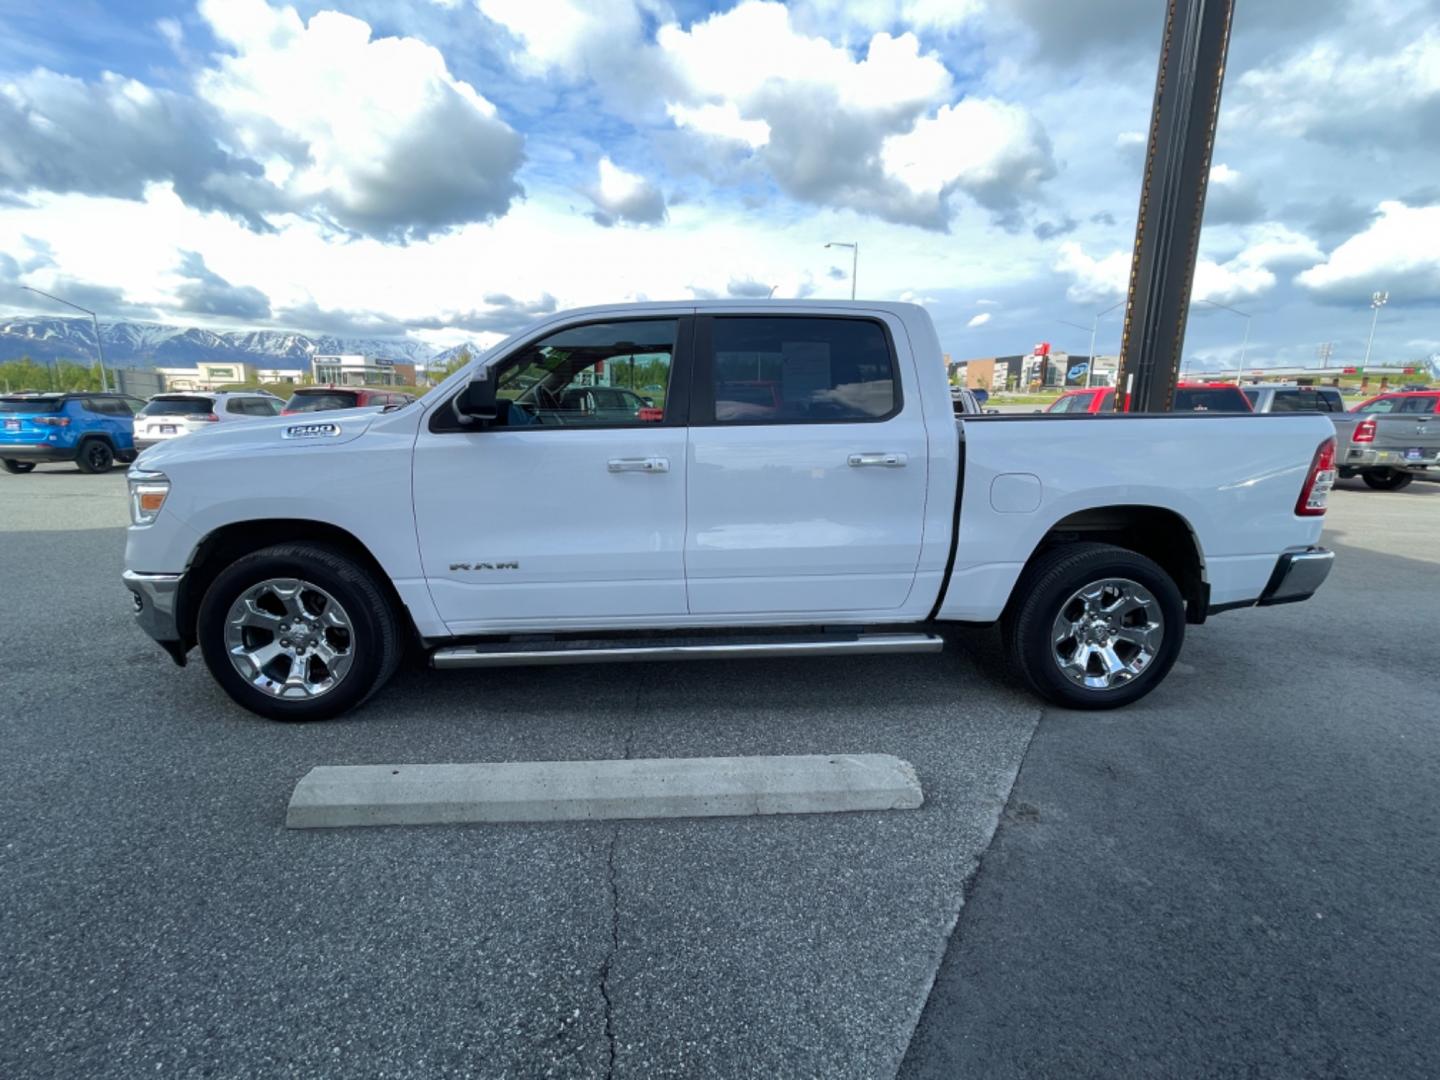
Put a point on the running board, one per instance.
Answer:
(599, 652)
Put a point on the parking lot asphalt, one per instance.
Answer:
(1238, 876)
(156, 917)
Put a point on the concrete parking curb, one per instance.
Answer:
(334, 796)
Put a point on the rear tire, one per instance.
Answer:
(17, 468)
(95, 456)
(1387, 479)
(1107, 649)
(372, 641)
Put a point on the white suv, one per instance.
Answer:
(167, 416)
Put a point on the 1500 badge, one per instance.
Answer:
(484, 566)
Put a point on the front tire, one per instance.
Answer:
(17, 468)
(96, 456)
(298, 632)
(1387, 479)
(1094, 626)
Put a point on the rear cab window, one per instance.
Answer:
(1210, 399)
(798, 370)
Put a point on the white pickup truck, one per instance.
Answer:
(712, 480)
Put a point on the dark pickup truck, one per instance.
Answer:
(1389, 440)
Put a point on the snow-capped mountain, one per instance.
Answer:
(144, 344)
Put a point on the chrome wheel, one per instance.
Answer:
(289, 638)
(1107, 633)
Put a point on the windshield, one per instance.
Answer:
(179, 406)
(323, 401)
(30, 405)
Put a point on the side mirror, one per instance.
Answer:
(477, 401)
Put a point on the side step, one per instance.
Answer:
(605, 652)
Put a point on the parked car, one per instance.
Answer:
(168, 416)
(1189, 397)
(328, 398)
(1390, 439)
(301, 557)
(1092, 399)
(92, 430)
(1292, 397)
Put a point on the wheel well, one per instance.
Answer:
(230, 542)
(1156, 533)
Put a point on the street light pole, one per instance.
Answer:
(1244, 341)
(854, 261)
(1377, 301)
(94, 322)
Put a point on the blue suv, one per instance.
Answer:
(92, 430)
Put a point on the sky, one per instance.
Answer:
(449, 169)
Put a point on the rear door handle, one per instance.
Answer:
(878, 461)
(640, 464)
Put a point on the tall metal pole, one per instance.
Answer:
(1244, 341)
(1377, 301)
(94, 321)
(854, 260)
(1172, 199)
(1090, 364)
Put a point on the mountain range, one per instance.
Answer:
(147, 344)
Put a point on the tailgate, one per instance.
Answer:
(20, 428)
(1403, 439)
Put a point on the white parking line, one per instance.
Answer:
(331, 796)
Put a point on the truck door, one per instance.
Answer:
(559, 514)
(807, 472)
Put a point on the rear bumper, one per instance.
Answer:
(1357, 459)
(36, 452)
(154, 597)
(1297, 576)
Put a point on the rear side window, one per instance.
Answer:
(1063, 405)
(107, 406)
(1210, 399)
(321, 402)
(177, 406)
(1379, 405)
(1252, 396)
(1107, 403)
(1416, 404)
(801, 370)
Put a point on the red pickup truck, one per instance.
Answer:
(1189, 397)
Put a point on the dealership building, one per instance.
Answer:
(356, 369)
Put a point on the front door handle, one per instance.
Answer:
(878, 461)
(640, 464)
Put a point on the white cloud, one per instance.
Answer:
(1336, 90)
(722, 121)
(1094, 281)
(995, 151)
(625, 196)
(1399, 253)
(375, 134)
(979, 320)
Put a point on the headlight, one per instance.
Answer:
(148, 491)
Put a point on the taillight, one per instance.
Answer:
(1364, 430)
(51, 421)
(209, 418)
(1316, 492)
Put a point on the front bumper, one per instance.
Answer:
(36, 452)
(1298, 574)
(155, 598)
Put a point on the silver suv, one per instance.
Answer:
(168, 416)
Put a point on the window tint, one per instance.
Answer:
(107, 406)
(1107, 403)
(1416, 404)
(1252, 396)
(1062, 405)
(1211, 399)
(30, 405)
(179, 406)
(1379, 405)
(323, 401)
(801, 370)
(588, 376)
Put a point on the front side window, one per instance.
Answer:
(792, 370)
(600, 374)
(1379, 405)
(1062, 405)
